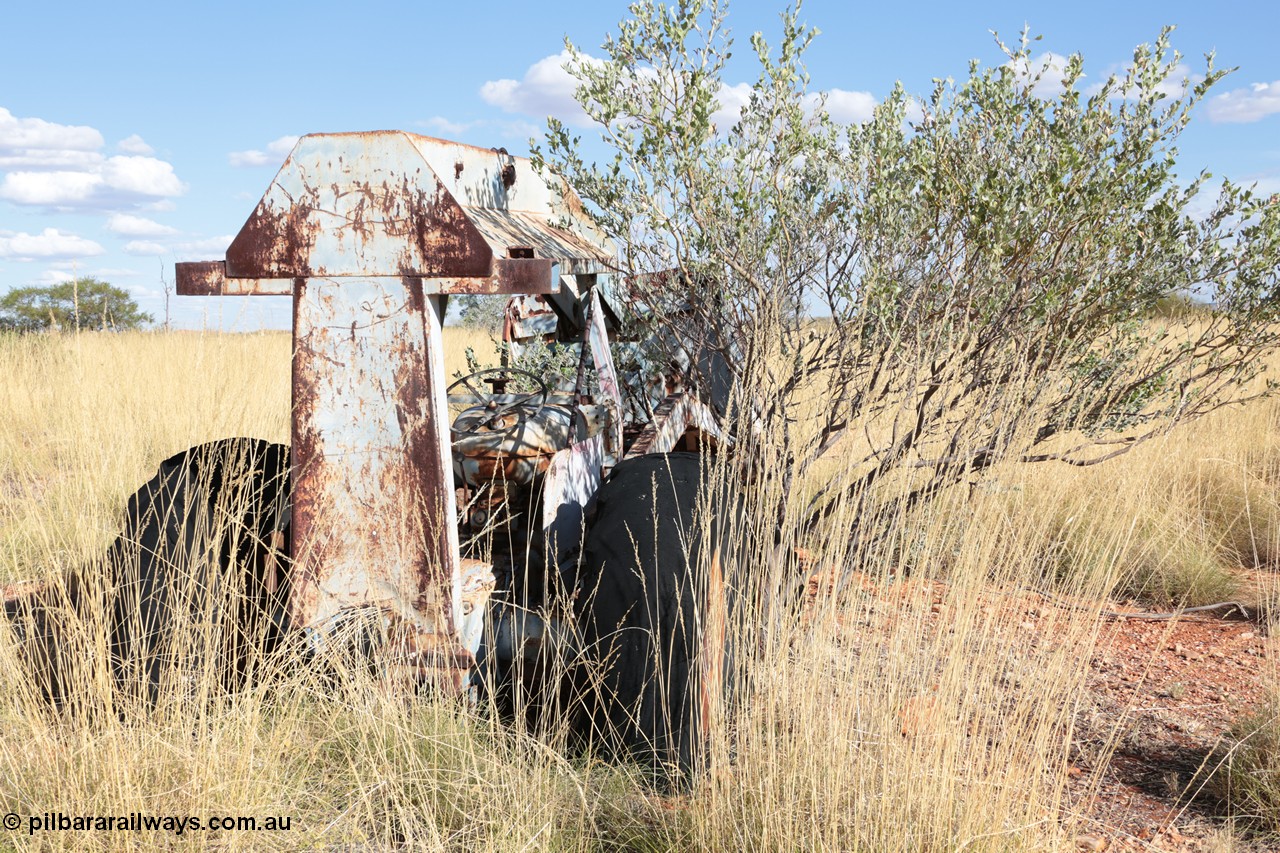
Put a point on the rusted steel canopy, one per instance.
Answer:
(368, 232)
(390, 203)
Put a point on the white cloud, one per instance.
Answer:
(283, 145)
(145, 176)
(145, 248)
(514, 129)
(844, 106)
(731, 100)
(546, 90)
(914, 113)
(185, 250)
(49, 243)
(276, 151)
(1180, 79)
(1246, 105)
(32, 135)
(49, 188)
(137, 226)
(116, 181)
(134, 144)
(521, 130)
(60, 271)
(1267, 185)
(440, 124)
(49, 158)
(245, 159)
(1050, 67)
(62, 166)
(142, 293)
(54, 276)
(1203, 203)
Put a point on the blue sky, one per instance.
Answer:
(137, 134)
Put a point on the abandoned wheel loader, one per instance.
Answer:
(434, 519)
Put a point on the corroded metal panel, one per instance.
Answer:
(606, 373)
(490, 454)
(209, 278)
(12, 593)
(677, 415)
(527, 318)
(357, 204)
(535, 231)
(374, 517)
(513, 205)
(572, 480)
(512, 275)
(390, 203)
(478, 584)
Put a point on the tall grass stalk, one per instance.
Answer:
(918, 695)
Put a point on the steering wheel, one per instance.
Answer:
(526, 406)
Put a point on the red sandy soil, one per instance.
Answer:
(1162, 697)
(1172, 690)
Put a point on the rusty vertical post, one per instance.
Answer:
(375, 521)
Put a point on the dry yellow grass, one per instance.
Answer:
(865, 727)
(87, 419)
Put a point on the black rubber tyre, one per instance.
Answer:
(651, 655)
(195, 585)
(198, 578)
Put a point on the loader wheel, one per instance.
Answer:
(652, 615)
(197, 580)
(190, 594)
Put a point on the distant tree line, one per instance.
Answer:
(82, 303)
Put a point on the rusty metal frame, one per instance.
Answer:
(369, 233)
(678, 416)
